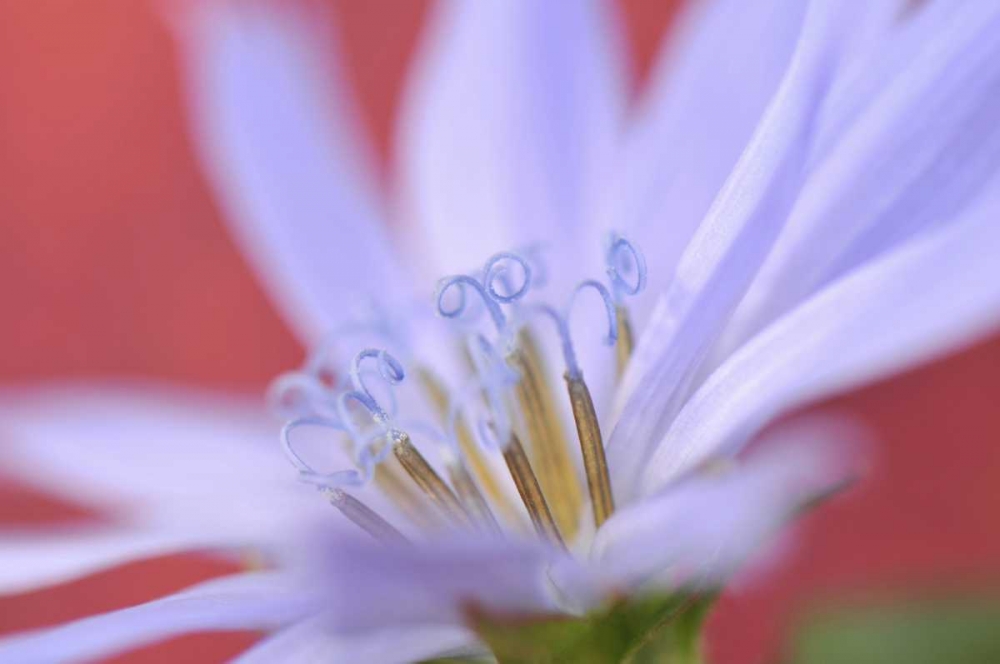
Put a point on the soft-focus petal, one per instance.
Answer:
(135, 442)
(244, 602)
(700, 530)
(312, 642)
(726, 252)
(931, 296)
(172, 470)
(913, 159)
(711, 85)
(29, 560)
(371, 585)
(274, 125)
(508, 128)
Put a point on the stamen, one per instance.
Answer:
(549, 449)
(544, 430)
(470, 497)
(587, 428)
(382, 451)
(391, 481)
(370, 467)
(388, 477)
(623, 256)
(595, 463)
(530, 490)
(495, 377)
(463, 483)
(408, 456)
(426, 478)
(365, 517)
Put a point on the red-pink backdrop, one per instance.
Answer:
(114, 261)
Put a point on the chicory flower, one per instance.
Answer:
(809, 192)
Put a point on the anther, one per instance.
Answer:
(461, 479)
(530, 491)
(426, 478)
(549, 451)
(587, 428)
(364, 517)
(592, 446)
(408, 456)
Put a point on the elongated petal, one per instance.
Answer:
(170, 469)
(726, 252)
(508, 128)
(244, 602)
(29, 561)
(913, 159)
(697, 532)
(275, 127)
(311, 641)
(709, 89)
(928, 297)
(371, 585)
(101, 444)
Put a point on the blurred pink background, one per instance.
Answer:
(114, 261)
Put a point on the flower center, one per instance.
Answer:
(507, 409)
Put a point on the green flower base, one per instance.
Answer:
(665, 630)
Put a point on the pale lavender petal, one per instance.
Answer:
(369, 585)
(275, 126)
(929, 297)
(508, 127)
(911, 160)
(141, 442)
(698, 531)
(312, 642)
(174, 469)
(709, 89)
(726, 252)
(243, 602)
(31, 560)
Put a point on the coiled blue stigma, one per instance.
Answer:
(621, 258)
(499, 284)
(561, 321)
(365, 458)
